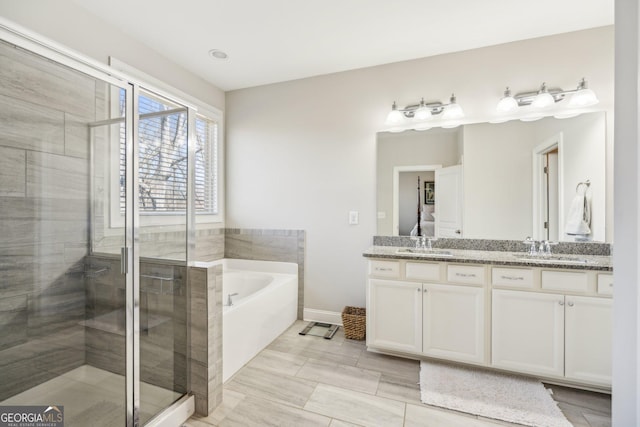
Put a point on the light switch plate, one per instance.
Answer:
(353, 217)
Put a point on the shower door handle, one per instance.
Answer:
(124, 260)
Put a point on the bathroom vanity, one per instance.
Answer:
(548, 317)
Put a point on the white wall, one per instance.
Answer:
(71, 26)
(626, 256)
(301, 154)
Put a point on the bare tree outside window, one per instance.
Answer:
(163, 159)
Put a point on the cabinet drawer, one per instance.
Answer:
(512, 277)
(564, 281)
(605, 284)
(472, 275)
(384, 268)
(422, 271)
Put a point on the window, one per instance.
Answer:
(162, 149)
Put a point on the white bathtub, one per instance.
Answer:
(266, 305)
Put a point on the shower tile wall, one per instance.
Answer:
(44, 112)
(269, 245)
(163, 317)
(171, 244)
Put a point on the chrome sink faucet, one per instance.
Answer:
(427, 242)
(533, 246)
(545, 247)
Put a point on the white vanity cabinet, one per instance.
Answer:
(553, 323)
(588, 327)
(552, 335)
(394, 315)
(527, 331)
(453, 322)
(418, 315)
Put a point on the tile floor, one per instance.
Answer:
(309, 381)
(93, 397)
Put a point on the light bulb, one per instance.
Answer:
(394, 117)
(422, 113)
(583, 98)
(508, 103)
(453, 111)
(543, 99)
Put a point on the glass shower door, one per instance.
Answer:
(93, 214)
(162, 205)
(62, 305)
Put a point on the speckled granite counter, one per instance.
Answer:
(577, 262)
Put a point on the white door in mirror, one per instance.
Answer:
(448, 201)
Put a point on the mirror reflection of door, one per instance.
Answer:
(551, 194)
(449, 197)
(547, 180)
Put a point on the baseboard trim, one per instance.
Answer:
(333, 317)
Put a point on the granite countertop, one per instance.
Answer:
(565, 261)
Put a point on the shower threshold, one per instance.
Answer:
(318, 329)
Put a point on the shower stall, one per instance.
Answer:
(97, 212)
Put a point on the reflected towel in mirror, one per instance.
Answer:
(579, 217)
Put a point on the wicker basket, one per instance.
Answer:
(354, 322)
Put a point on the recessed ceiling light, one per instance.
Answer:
(217, 54)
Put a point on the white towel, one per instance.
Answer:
(579, 218)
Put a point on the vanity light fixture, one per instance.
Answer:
(508, 103)
(544, 99)
(395, 116)
(421, 116)
(583, 97)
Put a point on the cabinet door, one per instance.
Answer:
(588, 339)
(528, 332)
(394, 315)
(453, 322)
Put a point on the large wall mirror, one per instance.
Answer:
(510, 180)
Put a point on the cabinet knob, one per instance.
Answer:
(418, 289)
(570, 303)
(424, 290)
(561, 302)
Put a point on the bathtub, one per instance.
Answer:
(266, 305)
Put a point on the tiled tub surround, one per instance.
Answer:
(205, 329)
(269, 245)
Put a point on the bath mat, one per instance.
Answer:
(489, 394)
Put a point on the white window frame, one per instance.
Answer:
(151, 219)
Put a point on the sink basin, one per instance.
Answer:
(425, 252)
(554, 259)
